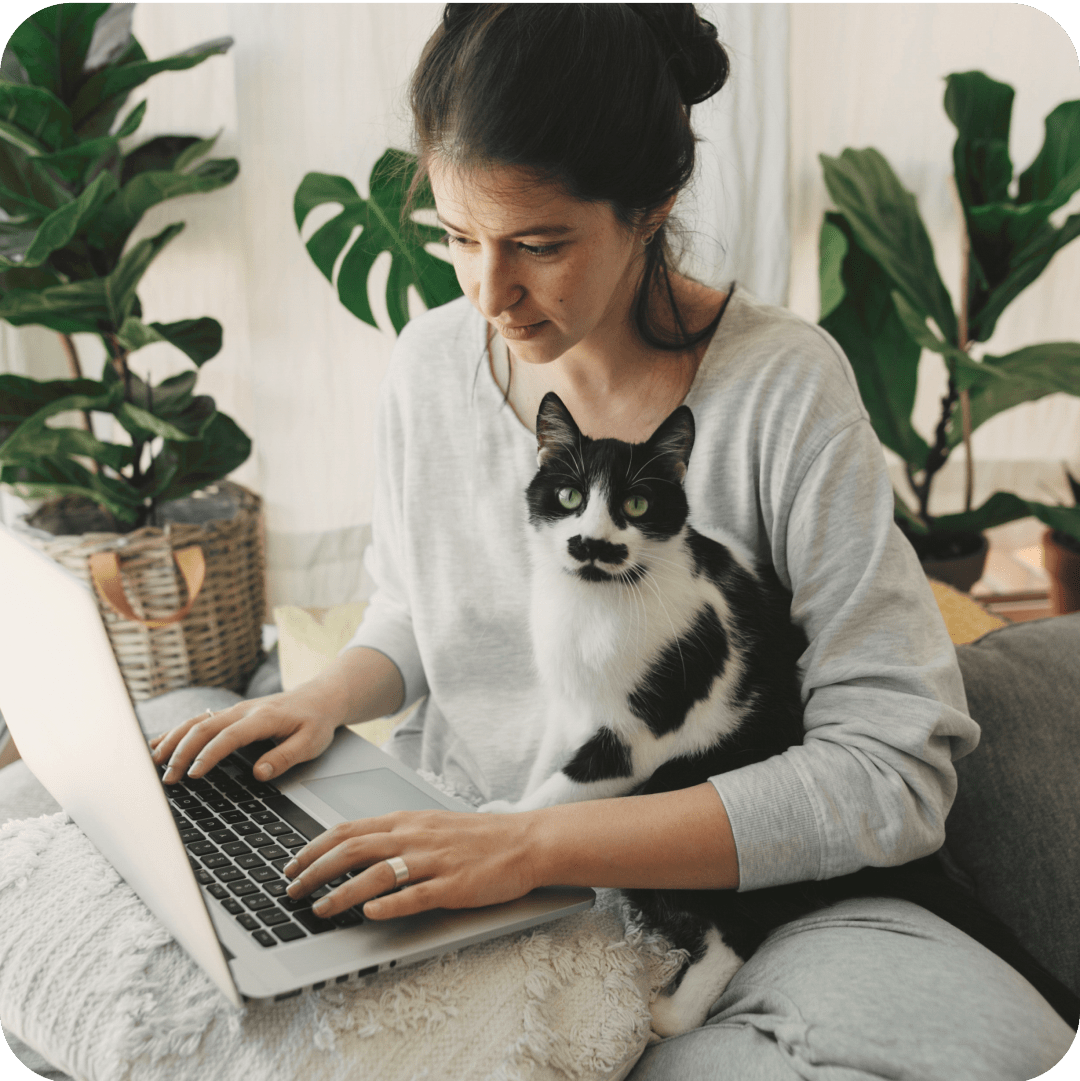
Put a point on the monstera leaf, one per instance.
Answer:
(379, 218)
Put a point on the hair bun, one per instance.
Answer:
(455, 16)
(697, 60)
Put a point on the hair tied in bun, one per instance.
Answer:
(455, 16)
(695, 57)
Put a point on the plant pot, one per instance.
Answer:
(183, 602)
(957, 559)
(1061, 558)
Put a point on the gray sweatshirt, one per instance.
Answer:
(786, 465)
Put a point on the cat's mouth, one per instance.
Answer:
(590, 572)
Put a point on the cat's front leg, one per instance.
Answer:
(685, 1004)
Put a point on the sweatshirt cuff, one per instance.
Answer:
(776, 833)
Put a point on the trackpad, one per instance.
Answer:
(369, 793)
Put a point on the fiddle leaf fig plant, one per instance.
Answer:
(72, 191)
(884, 301)
(384, 226)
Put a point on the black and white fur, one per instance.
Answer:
(669, 658)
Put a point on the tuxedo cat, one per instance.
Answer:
(669, 658)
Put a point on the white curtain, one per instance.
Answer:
(321, 87)
(873, 75)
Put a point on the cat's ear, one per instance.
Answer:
(675, 439)
(556, 431)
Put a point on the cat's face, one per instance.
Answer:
(600, 505)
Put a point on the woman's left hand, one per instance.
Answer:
(455, 860)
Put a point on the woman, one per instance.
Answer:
(556, 138)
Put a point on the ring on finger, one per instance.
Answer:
(400, 869)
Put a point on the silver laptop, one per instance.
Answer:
(67, 706)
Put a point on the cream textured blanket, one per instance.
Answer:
(90, 979)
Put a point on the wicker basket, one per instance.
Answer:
(218, 643)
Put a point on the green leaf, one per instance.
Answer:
(29, 444)
(182, 468)
(1064, 519)
(57, 229)
(885, 219)
(195, 151)
(52, 45)
(73, 308)
(22, 397)
(199, 339)
(832, 247)
(156, 155)
(132, 121)
(113, 226)
(884, 358)
(120, 285)
(1004, 507)
(34, 119)
(379, 219)
(146, 425)
(1024, 376)
(25, 187)
(76, 161)
(1055, 173)
(981, 110)
(103, 88)
(903, 513)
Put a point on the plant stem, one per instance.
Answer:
(118, 355)
(76, 373)
(965, 395)
(939, 452)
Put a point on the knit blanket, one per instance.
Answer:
(92, 980)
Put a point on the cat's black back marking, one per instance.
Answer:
(601, 758)
(682, 675)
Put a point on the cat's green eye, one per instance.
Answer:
(570, 498)
(636, 506)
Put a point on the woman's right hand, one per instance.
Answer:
(299, 722)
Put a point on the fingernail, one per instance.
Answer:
(196, 768)
(292, 867)
(293, 888)
(264, 771)
(321, 906)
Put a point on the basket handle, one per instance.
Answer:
(105, 574)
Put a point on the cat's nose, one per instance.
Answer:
(584, 549)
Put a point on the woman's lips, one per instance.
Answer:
(522, 333)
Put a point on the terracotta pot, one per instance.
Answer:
(1063, 568)
(961, 572)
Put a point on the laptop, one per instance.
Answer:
(65, 701)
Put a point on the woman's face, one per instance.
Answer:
(548, 271)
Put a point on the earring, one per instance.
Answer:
(647, 240)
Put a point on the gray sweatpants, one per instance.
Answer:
(870, 988)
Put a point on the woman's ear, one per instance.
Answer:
(655, 220)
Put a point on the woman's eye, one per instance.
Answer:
(570, 498)
(540, 249)
(636, 506)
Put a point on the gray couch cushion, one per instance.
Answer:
(1015, 826)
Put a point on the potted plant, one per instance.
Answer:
(1061, 560)
(883, 300)
(116, 478)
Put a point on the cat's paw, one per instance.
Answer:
(497, 807)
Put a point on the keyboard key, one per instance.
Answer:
(264, 818)
(201, 848)
(264, 938)
(233, 817)
(228, 874)
(199, 812)
(219, 803)
(209, 825)
(288, 932)
(215, 861)
(236, 848)
(258, 840)
(322, 891)
(222, 836)
(249, 862)
(349, 918)
(230, 904)
(248, 922)
(218, 891)
(272, 852)
(255, 901)
(276, 829)
(241, 889)
(294, 904)
(189, 835)
(183, 802)
(315, 924)
(245, 828)
(252, 806)
(262, 873)
(205, 878)
(273, 917)
(276, 888)
(292, 840)
(181, 822)
(279, 865)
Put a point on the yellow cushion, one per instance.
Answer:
(309, 639)
(965, 619)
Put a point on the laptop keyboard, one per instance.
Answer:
(239, 834)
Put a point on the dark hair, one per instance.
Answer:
(595, 97)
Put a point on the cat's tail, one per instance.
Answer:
(925, 884)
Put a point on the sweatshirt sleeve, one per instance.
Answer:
(387, 625)
(885, 710)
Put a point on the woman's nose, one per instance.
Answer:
(497, 289)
